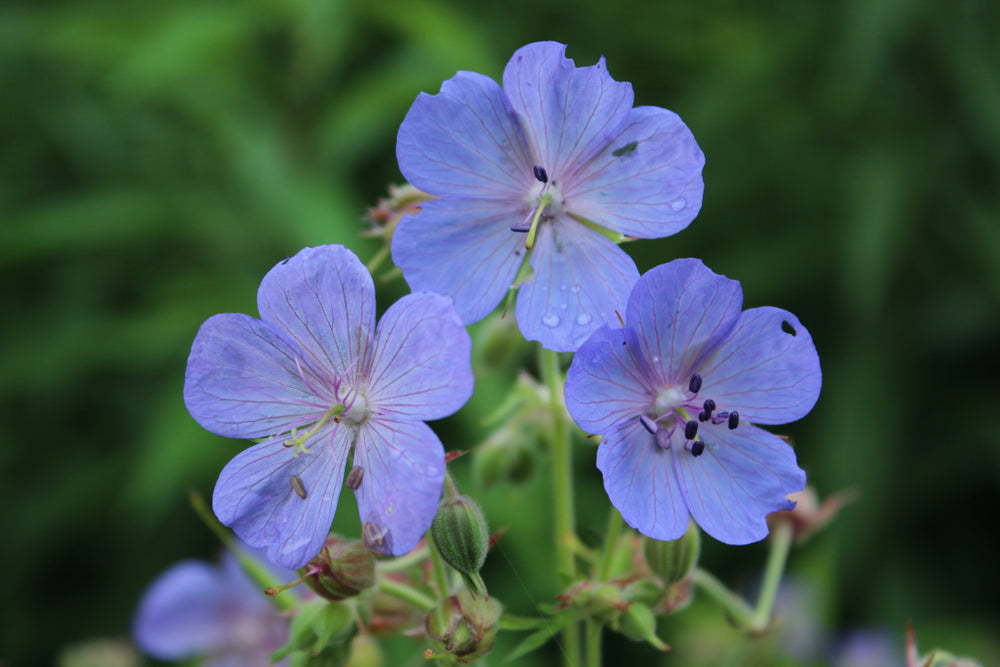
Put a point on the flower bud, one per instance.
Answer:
(461, 536)
(462, 628)
(674, 561)
(320, 633)
(342, 569)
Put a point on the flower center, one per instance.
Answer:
(545, 202)
(669, 416)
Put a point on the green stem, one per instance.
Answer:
(614, 531)
(593, 638)
(733, 604)
(406, 594)
(562, 491)
(403, 562)
(256, 570)
(781, 543)
(376, 261)
(440, 575)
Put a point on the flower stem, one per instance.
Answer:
(256, 570)
(738, 610)
(610, 545)
(781, 543)
(406, 594)
(593, 639)
(440, 575)
(562, 490)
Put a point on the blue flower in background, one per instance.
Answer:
(318, 380)
(540, 170)
(677, 393)
(213, 612)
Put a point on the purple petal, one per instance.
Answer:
(255, 497)
(740, 478)
(196, 608)
(768, 369)
(421, 367)
(681, 311)
(463, 249)
(242, 380)
(607, 384)
(324, 299)
(465, 142)
(581, 279)
(646, 183)
(569, 113)
(403, 466)
(640, 480)
(180, 615)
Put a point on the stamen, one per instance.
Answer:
(734, 420)
(299, 441)
(691, 429)
(648, 424)
(697, 448)
(540, 173)
(298, 486)
(354, 477)
(709, 406)
(694, 386)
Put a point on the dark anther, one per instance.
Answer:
(720, 417)
(709, 407)
(354, 477)
(694, 386)
(298, 486)
(734, 420)
(697, 447)
(691, 429)
(648, 424)
(704, 416)
(540, 174)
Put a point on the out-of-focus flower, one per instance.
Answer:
(214, 612)
(677, 393)
(318, 380)
(540, 172)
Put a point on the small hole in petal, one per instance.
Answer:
(787, 327)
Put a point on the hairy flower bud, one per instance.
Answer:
(461, 536)
(342, 569)
(462, 628)
(673, 561)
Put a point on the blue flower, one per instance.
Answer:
(321, 384)
(541, 171)
(216, 613)
(678, 393)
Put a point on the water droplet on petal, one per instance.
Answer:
(678, 203)
(575, 289)
(550, 320)
(583, 320)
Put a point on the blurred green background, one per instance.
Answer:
(159, 158)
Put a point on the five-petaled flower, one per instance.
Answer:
(541, 171)
(319, 382)
(677, 393)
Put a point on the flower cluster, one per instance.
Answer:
(530, 184)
